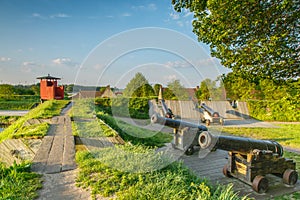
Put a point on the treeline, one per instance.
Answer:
(268, 99)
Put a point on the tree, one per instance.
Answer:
(253, 38)
(178, 90)
(138, 87)
(238, 88)
(156, 88)
(6, 90)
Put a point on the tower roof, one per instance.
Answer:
(48, 77)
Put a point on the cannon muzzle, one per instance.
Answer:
(177, 124)
(237, 144)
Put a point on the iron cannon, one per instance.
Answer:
(250, 160)
(208, 115)
(185, 133)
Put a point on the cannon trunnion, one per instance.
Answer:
(250, 160)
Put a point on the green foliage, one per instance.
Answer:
(7, 90)
(135, 135)
(125, 107)
(177, 90)
(156, 88)
(255, 39)
(239, 88)
(172, 182)
(277, 110)
(17, 182)
(138, 87)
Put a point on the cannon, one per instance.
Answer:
(167, 112)
(250, 160)
(208, 115)
(185, 133)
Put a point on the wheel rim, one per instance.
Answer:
(290, 177)
(260, 184)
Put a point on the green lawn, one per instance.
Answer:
(287, 134)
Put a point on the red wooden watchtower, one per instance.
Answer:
(49, 89)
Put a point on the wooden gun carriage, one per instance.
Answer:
(250, 160)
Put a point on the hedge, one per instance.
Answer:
(276, 110)
(125, 107)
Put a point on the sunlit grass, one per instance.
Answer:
(287, 134)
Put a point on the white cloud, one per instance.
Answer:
(28, 66)
(64, 61)
(149, 7)
(152, 6)
(29, 63)
(174, 16)
(170, 78)
(60, 15)
(99, 66)
(177, 64)
(126, 15)
(5, 59)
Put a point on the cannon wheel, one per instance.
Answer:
(290, 177)
(260, 184)
(226, 172)
(189, 151)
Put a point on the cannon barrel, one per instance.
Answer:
(237, 144)
(177, 124)
(210, 110)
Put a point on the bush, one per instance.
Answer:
(125, 107)
(277, 110)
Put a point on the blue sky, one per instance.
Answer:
(67, 38)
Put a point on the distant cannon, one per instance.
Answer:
(250, 160)
(167, 112)
(208, 115)
(185, 133)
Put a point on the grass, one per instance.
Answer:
(296, 158)
(172, 182)
(287, 134)
(17, 182)
(17, 105)
(45, 110)
(92, 128)
(135, 135)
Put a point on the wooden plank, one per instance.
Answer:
(54, 162)
(68, 162)
(40, 160)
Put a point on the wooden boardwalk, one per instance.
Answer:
(57, 151)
